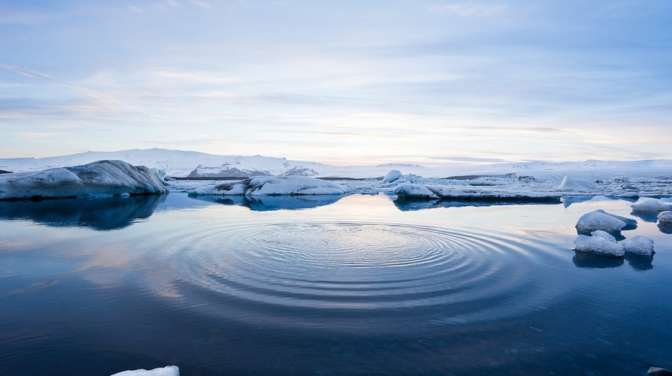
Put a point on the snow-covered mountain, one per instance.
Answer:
(184, 163)
(173, 162)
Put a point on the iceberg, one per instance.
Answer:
(651, 205)
(414, 191)
(163, 371)
(291, 185)
(392, 176)
(601, 220)
(273, 186)
(599, 242)
(638, 245)
(224, 189)
(102, 178)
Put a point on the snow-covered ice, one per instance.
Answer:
(163, 371)
(638, 245)
(414, 191)
(102, 178)
(601, 220)
(391, 176)
(651, 205)
(599, 242)
(273, 186)
(295, 185)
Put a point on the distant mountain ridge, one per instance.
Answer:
(182, 163)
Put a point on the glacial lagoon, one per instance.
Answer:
(324, 285)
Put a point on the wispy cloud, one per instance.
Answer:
(469, 9)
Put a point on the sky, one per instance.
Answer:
(343, 82)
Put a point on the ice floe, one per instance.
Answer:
(638, 245)
(599, 242)
(601, 220)
(273, 186)
(102, 178)
(391, 176)
(651, 205)
(163, 371)
(414, 191)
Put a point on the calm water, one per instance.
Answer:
(360, 285)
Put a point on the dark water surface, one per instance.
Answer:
(360, 285)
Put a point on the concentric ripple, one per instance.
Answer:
(262, 271)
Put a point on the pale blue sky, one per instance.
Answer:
(339, 81)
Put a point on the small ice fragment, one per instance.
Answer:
(163, 371)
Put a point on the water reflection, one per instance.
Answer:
(271, 203)
(98, 214)
(646, 216)
(639, 262)
(589, 260)
(568, 201)
(411, 205)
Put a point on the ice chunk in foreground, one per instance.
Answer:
(638, 245)
(601, 243)
(391, 176)
(102, 178)
(413, 191)
(601, 220)
(164, 371)
(651, 205)
(665, 218)
(291, 185)
(576, 185)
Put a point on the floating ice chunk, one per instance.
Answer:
(601, 243)
(102, 178)
(638, 245)
(273, 186)
(164, 371)
(651, 205)
(226, 189)
(665, 218)
(414, 191)
(601, 220)
(391, 176)
(291, 185)
(576, 185)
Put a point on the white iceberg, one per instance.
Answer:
(599, 242)
(163, 371)
(638, 245)
(414, 191)
(226, 189)
(601, 220)
(102, 178)
(291, 185)
(665, 218)
(651, 205)
(392, 176)
(272, 186)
